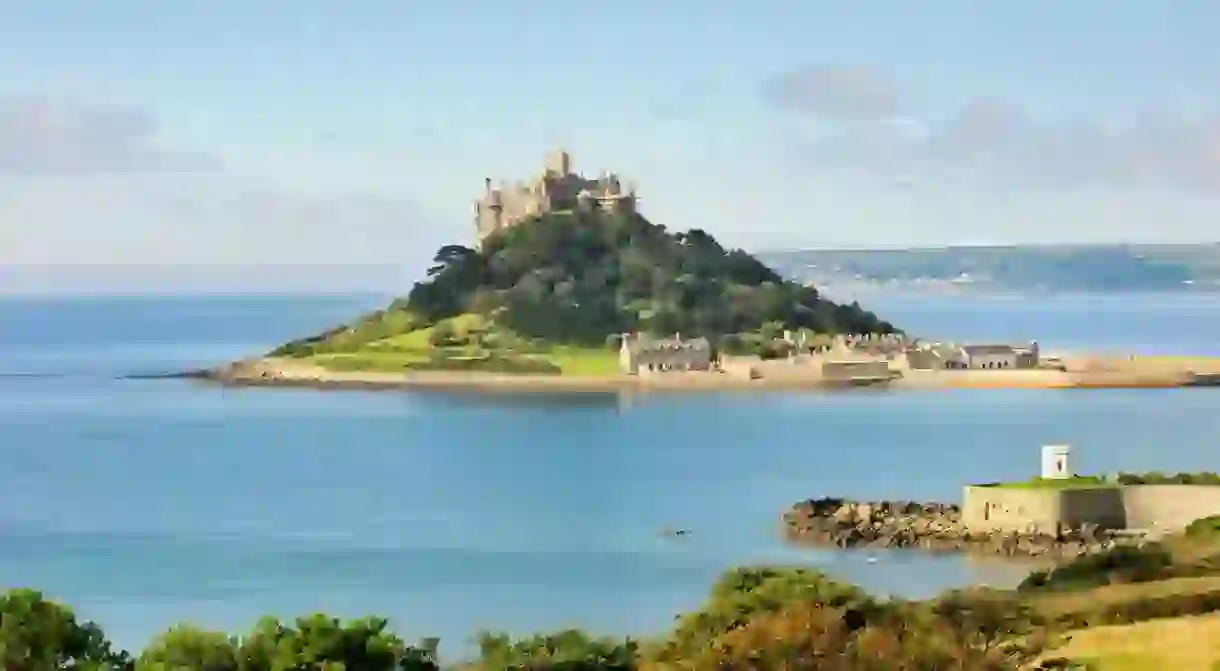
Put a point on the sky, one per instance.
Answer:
(206, 138)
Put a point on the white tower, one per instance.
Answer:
(1055, 462)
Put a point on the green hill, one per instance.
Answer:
(553, 294)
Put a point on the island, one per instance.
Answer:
(569, 287)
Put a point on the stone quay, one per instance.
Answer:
(931, 527)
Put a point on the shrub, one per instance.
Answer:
(38, 635)
(815, 636)
(1204, 527)
(572, 650)
(186, 647)
(775, 349)
(1139, 609)
(1157, 478)
(444, 335)
(743, 593)
(1120, 564)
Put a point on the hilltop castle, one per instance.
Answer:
(555, 188)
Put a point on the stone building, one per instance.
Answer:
(555, 188)
(640, 354)
(1153, 508)
(1000, 356)
(947, 356)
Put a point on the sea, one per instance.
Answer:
(148, 502)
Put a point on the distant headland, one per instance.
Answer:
(568, 287)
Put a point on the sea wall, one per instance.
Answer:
(1168, 507)
(1042, 510)
(1156, 508)
(934, 527)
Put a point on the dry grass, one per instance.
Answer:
(1181, 644)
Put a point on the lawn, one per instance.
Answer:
(1074, 482)
(470, 342)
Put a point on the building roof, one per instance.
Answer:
(988, 350)
(670, 343)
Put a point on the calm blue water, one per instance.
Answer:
(144, 503)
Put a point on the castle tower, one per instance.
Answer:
(559, 162)
(1055, 462)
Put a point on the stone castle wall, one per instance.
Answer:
(1169, 507)
(1148, 507)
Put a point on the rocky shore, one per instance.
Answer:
(932, 527)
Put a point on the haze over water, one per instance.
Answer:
(143, 503)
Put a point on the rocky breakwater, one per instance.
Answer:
(933, 527)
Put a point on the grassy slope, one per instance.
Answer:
(1191, 642)
(397, 346)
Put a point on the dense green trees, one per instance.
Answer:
(755, 619)
(40, 635)
(578, 277)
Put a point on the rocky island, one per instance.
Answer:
(570, 288)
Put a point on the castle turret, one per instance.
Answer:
(559, 162)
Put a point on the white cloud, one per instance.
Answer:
(834, 93)
(55, 137)
(989, 142)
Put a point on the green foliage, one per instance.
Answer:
(1155, 478)
(313, 642)
(352, 337)
(41, 635)
(1206, 527)
(186, 647)
(571, 650)
(743, 593)
(1117, 565)
(578, 277)
(755, 619)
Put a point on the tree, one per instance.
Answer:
(186, 648)
(582, 276)
(322, 642)
(41, 635)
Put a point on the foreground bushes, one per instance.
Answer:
(1121, 564)
(754, 620)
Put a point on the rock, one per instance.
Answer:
(935, 527)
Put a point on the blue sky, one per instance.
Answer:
(305, 132)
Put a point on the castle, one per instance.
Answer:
(556, 188)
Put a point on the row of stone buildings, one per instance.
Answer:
(842, 356)
(952, 356)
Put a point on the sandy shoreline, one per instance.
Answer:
(1143, 372)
